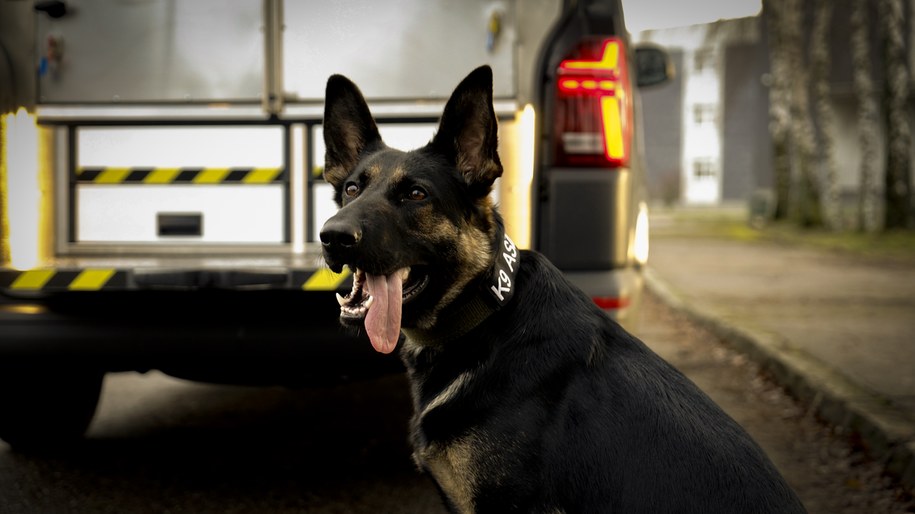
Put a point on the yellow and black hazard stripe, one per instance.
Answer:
(325, 280)
(111, 175)
(89, 279)
(51, 280)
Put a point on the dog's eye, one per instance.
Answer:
(351, 189)
(417, 194)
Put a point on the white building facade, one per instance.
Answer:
(702, 79)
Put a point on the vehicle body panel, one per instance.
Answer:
(179, 192)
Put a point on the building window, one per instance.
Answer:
(704, 168)
(704, 113)
(704, 59)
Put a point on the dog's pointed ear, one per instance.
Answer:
(349, 129)
(468, 131)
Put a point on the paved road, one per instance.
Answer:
(853, 315)
(835, 328)
(162, 445)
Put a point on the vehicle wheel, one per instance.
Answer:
(46, 409)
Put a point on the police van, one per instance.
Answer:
(162, 188)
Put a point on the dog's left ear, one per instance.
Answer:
(468, 132)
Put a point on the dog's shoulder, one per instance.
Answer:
(550, 308)
(541, 285)
(567, 375)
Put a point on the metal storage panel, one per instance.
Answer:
(153, 51)
(180, 146)
(239, 214)
(396, 49)
(232, 180)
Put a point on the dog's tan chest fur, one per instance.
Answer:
(454, 468)
(470, 463)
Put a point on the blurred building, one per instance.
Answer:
(703, 138)
(707, 138)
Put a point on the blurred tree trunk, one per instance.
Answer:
(897, 191)
(804, 204)
(779, 103)
(867, 115)
(820, 64)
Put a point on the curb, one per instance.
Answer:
(887, 434)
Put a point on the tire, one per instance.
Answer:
(46, 409)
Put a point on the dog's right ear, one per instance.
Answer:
(349, 129)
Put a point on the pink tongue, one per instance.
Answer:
(383, 319)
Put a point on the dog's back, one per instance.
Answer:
(550, 406)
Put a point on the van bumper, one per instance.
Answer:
(617, 291)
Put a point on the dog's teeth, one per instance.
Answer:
(340, 299)
(404, 273)
(369, 301)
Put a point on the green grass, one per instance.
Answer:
(892, 244)
(732, 223)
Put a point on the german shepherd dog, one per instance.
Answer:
(527, 397)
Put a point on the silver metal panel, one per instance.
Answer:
(50, 113)
(144, 113)
(61, 190)
(272, 100)
(127, 214)
(396, 48)
(406, 109)
(535, 18)
(240, 214)
(204, 147)
(160, 256)
(154, 50)
(17, 56)
(298, 185)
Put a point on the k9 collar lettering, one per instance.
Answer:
(502, 285)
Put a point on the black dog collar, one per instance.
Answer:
(492, 295)
(502, 287)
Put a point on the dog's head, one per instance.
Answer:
(415, 227)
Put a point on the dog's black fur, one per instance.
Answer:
(544, 404)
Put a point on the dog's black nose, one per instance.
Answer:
(340, 234)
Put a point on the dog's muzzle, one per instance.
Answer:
(376, 299)
(340, 239)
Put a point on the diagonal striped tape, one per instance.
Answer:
(120, 175)
(161, 176)
(91, 279)
(32, 280)
(98, 279)
(325, 280)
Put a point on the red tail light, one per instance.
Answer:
(611, 302)
(593, 118)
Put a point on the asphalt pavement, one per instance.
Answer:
(836, 330)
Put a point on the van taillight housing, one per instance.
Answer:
(593, 109)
